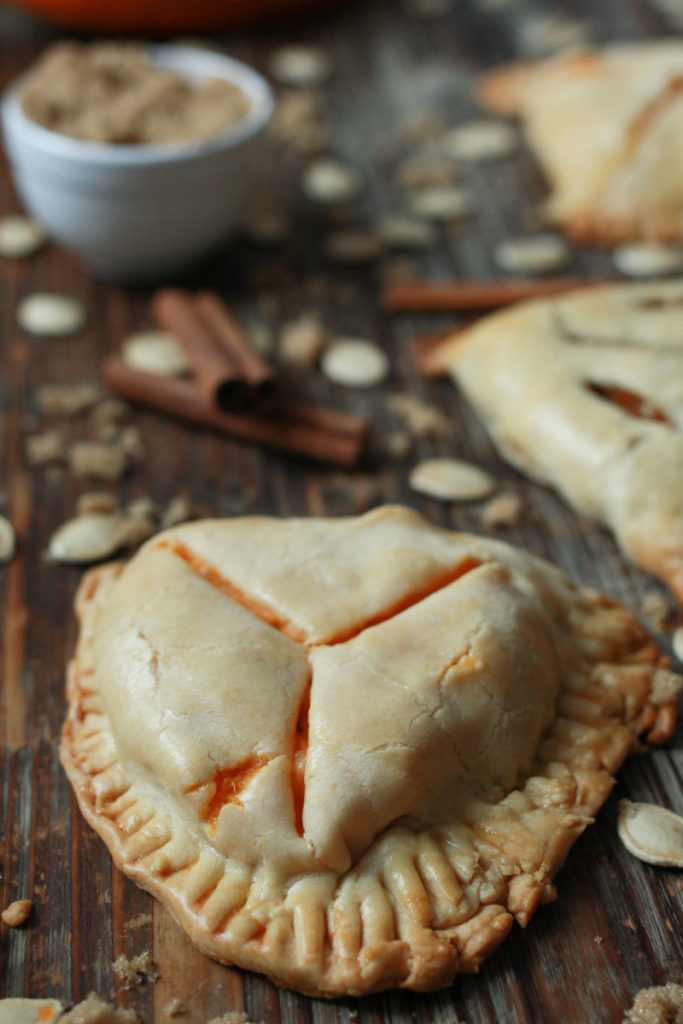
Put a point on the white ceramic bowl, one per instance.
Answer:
(142, 212)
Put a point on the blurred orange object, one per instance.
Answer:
(161, 17)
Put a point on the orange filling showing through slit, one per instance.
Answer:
(212, 576)
(46, 1013)
(299, 761)
(443, 580)
(228, 784)
(630, 402)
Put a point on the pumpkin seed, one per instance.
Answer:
(20, 237)
(538, 254)
(49, 315)
(30, 1011)
(398, 231)
(677, 643)
(329, 181)
(8, 540)
(353, 245)
(543, 34)
(451, 480)
(651, 833)
(479, 141)
(300, 65)
(503, 510)
(88, 538)
(647, 259)
(442, 204)
(302, 340)
(355, 363)
(156, 352)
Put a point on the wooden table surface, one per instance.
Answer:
(617, 925)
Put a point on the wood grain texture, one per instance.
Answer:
(617, 925)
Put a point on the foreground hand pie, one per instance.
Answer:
(347, 752)
(607, 129)
(585, 392)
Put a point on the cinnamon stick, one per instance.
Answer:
(225, 366)
(460, 296)
(321, 434)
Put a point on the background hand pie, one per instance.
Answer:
(607, 129)
(585, 392)
(348, 752)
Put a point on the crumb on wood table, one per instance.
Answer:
(17, 913)
(662, 1004)
(94, 1010)
(135, 970)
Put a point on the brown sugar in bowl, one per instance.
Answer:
(161, 17)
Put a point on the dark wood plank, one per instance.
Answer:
(616, 926)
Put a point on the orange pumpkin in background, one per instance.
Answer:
(162, 17)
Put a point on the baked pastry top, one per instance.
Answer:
(585, 392)
(347, 752)
(606, 127)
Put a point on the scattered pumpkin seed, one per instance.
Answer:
(46, 448)
(651, 833)
(442, 204)
(8, 540)
(353, 245)
(178, 510)
(399, 231)
(49, 315)
(421, 418)
(302, 341)
(355, 363)
(677, 643)
(543, 34)
(98, 459)
(502, 510)
(30, 1011)
(96, 502)
(155, 352)
(20, 237)
(647, 259)
(66, 399)
(480, 140)
(89, 538)
(538, 254)
(329, 181)
(300, 65)
(451, 480)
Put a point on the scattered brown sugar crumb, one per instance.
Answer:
(46, 448)
(66, 399)
(174, 1008)
(111, 92)
(98, 460)
(655, 608)
(17, 913)
(135, 970)
(232, 1017)
(421, 419)
(503, 510)
(94, 1010)
(662, 1004)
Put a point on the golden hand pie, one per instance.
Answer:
(346, 752)
(585, 392)
(607, 129)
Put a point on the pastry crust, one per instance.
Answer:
(348, 752)
(585, 392)
(607, 129)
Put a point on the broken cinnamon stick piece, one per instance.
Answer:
(321, 434)
(461, 296)
(225, 367)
